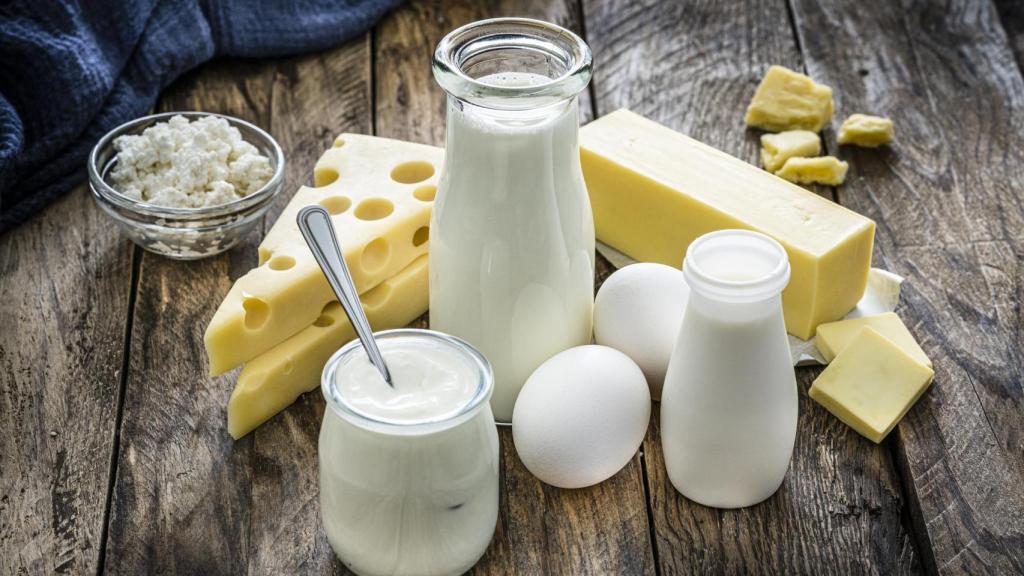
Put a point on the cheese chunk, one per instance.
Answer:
(787, 100)
(777, 148)
(825, 170)
(654, 191)
(380, 193)
(833, 337)
(871, 384)
(867, 131)
(275, 379)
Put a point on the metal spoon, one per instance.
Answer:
(316, 227)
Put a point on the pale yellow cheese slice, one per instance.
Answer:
(380, 193)
(653, 191)
(788, 100)
(777, 148)
(273, 380)
(825, 170)
(867, 131)
(871, 384)
(833, 337)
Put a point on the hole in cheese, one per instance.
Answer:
(336, 204)
(412, 172)
(374, 209)
(281, 262)
(323, 321)
(289, 365)
(377, 297)
(324, 176)
(339, 142)
(376, 255)
(264, 255)
(425, 193)
(421, 236)
(256, 312)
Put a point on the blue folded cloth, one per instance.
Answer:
(72, 70)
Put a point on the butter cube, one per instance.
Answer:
(867, 131)
(654, 190)
(825, 170)
(777, 148)
(871, 384)
(834, 337)
(272, 381)
(788, 100)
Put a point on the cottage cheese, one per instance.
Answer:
(189, 164)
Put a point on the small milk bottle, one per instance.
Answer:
(512, 234)
(729, 406)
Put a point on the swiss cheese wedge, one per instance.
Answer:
(654, 190)
(273, 380)
(380, 193)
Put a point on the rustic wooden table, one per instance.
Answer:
(114, 455)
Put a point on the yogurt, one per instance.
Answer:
(409, 475)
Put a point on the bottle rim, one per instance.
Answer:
(702, 278)
(536, 36)
(354, 349)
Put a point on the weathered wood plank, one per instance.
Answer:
(693, 66)
(949, 203)
(182, 493)
(65, 280)
(1011, 13)
(542, 530)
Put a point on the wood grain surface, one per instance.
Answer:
(114, 455)
(693, 66)
(950, 213)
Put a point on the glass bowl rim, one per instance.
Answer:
(107, 192)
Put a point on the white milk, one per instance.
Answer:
(512, 237)
(409, 476)
(729, 406)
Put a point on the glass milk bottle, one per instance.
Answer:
(512, 235)
(409, 475)
(729, 406)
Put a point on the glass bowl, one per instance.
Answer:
(184, 233)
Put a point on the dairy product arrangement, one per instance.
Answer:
(497, 233)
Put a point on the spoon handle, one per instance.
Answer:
(316, 227)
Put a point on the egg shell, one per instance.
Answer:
(638, 311)
(581, 416)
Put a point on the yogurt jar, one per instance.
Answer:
(409, 475)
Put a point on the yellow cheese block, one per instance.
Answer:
(654, 191)
(380, 193)
(275, 379)
(867, 131)
(871, 384)
(833, 337)
(777, 148)
(788, 100)
(825, 170)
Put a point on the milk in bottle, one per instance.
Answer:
(512, 235)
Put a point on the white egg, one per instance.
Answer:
(638, 311)
(581, 416)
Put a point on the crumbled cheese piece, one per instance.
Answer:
(189, 164)
(867, 131)
(777, 148)
(824, 170)
(787, 100)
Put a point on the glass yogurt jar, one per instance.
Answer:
(409, 474)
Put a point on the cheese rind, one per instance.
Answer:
(272, 381)
(777, 148)
(871, 385)
(866, 131)
(373, 188)
(653, 191)
(833, 337)
(825, 170)
(787, 100)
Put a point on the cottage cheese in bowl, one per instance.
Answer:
(184, 164)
